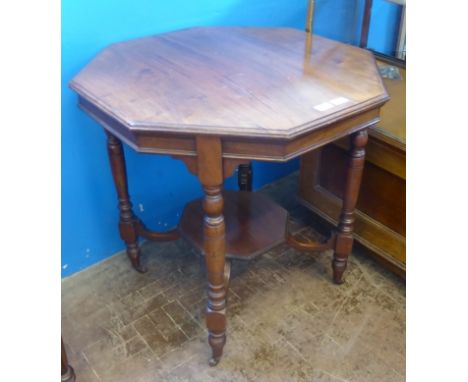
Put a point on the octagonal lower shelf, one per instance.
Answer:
(254, 224)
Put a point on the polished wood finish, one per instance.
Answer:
(245, 173)
(344, 237)
(254, 224)
(129, 225)
(380, 224)
(210, 173)
(311, 246)
(242, 148)
(223, 96)
(144, 232)
(381, 196)
(68, 374)
(230, 81)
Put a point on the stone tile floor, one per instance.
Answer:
(286, 320)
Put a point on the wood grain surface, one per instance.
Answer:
(231, 81)
(254, 224)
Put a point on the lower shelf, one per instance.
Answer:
(254, 224)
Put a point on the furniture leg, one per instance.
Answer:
(210, 172)
(68, 374)
(244, 177)
(344, 236)
(128, 224)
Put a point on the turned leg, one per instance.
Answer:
(244, 177)
(128, 224)
(215, 264)
(344, 236)
(68, 374)
(210, 173)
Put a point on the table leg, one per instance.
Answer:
(68, 374)
(244, 177)
(127, 223)
(210, 173)
(344, 236)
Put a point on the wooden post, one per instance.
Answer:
(128, 225)
(210, 173)
(344, 237)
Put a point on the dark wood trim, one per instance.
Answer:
(254, 224)
(127, 220)
(275, 149)
(210, 173)
(321, 200)
(130, 227)
(323, 224)
(330, 206)
(129, 132)
(344, 236)
(311, 246)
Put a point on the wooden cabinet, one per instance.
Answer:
(381, 216)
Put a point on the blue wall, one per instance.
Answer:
(159, 186)
(383, 30)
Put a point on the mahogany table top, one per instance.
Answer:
(231, 81)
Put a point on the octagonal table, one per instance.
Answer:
(222, 96)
